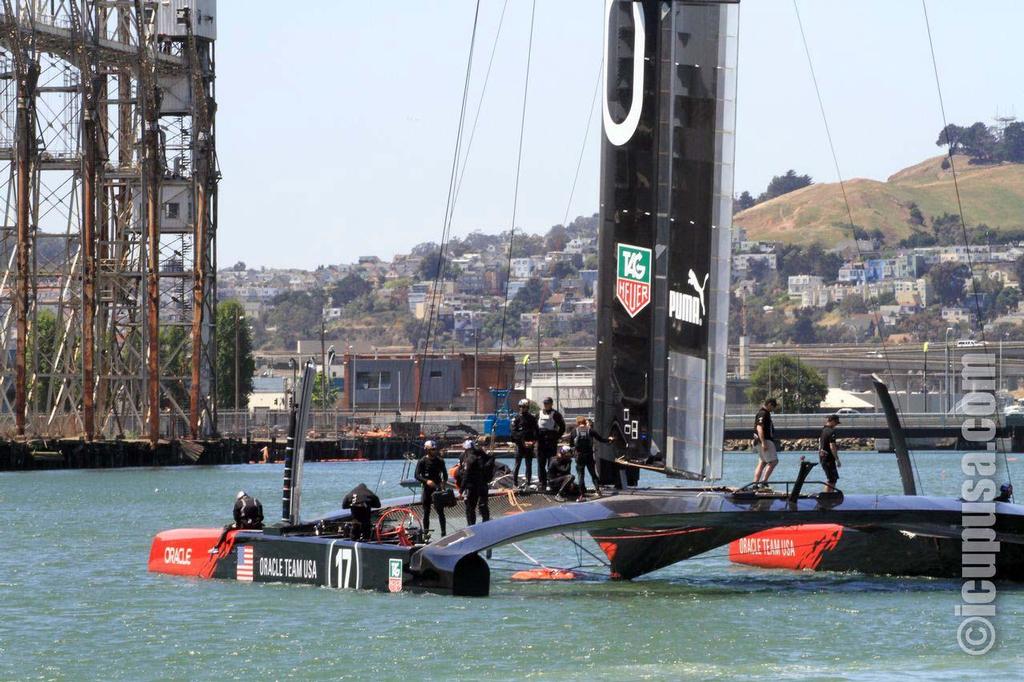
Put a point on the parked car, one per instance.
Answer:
(846, 411)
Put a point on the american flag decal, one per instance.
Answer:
(244, 569)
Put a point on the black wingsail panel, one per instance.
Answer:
(666, 214)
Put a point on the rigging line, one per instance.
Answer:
(580, 548)
(446, 223)
(480, 104)
(846, 202)
(586, 136)
(515, 197)
(963, 222)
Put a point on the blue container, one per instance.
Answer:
(501, 426)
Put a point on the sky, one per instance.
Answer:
(336, 120)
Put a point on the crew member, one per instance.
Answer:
(360, 500)
(550, 427)
(248, 515)
(477, 472)
(1005, 493)
(248, 512)
(828, 452)
(524, 435)
(432, 475)
(582, 438)
(764, 440)
(560, 479)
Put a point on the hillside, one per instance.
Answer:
(993, 195)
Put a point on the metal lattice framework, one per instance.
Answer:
(108, 192)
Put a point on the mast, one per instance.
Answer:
(295, 450)
(664, 240)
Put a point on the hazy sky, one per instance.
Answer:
(337, 120)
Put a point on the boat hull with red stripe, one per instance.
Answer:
(874, 551)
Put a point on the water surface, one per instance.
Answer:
(76, 601)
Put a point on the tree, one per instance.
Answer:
(231, 321)
(745, 201)
(980, 143)
(295, 314)
(798, 386)
(41, 343)
(318, 392)
(1013, 142)
(1006, 300)
(175, 354)
(532, 295)
(556, 238)
(947, 280)
(916, 217)
(348, 289)
(803, 329)
(1018, 270)
(950, 136)
(239, 266)
(562, 269)
(784, 184)
(947, 228)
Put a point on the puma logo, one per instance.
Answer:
(700, 289)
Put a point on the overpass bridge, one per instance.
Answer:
(873, 425)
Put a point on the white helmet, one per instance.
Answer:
(524, 403)
(240, 495)
(565, 450)
(429, 445)
(468, 444)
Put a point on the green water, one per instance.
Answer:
(76, 601)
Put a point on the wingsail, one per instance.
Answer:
(666, 216)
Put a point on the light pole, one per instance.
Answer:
(924, 382)
(476, 370)
(1001, 386)
(295, 368)
(352, 374)
(238, 324)
(323, 363)
(948, 397)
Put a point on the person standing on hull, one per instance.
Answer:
(360, 500)
(550, 428)
(828, 452)
(764, 439)
(477, 472)
(582, 438)
(524, 435)
(432, 475)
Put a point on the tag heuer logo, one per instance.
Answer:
(394, 575)
(633, 278)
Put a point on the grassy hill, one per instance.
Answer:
(993, 195)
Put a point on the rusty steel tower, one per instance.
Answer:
(108, 191)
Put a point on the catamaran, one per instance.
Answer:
(663, 295)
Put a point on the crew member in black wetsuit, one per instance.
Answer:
(248, 515)
(524, 435)
(764, 441)
(828, 452)
(582, 438)
(477, 472)
(550, 427)
(432, 475)
(560, 479)
(360, 500)
(1005, 493)
(248, 511)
